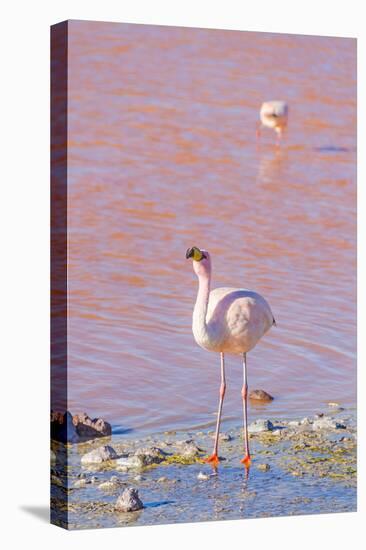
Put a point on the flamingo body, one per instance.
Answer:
(236, 319)
(274, 114)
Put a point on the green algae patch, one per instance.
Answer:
(316, 455)
(181, 459)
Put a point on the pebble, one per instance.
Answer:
(162, 479)
(260, 395)
(99, 455)
(129, 501)
(263, 467)
(222, 436)
(189, 448)
(202, 476)
(328, 423)
(127, 463)
(106, 485)
(260, 426)
(150, 455)
(141, 458)
(79, 483)
(112, 483)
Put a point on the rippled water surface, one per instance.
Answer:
(162, 156)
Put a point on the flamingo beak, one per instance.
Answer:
(195, 253)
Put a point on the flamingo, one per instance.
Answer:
(273, 114)
(227, 320)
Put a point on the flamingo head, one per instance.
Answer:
(201, 261)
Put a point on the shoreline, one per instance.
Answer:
(301, 466)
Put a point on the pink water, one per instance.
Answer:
(163, 156)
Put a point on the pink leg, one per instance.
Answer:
(258, 131)
(279, 137)
(214, 459)
(244, 393)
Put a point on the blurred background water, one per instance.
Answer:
(163, 156)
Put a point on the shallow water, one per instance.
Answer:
(307, 473)
(162, 156)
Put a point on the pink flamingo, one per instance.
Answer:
(227, 320)
(273, 114)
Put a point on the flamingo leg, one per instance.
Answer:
(214, 459)
(279, 137)
(258, 131)
(244, 393)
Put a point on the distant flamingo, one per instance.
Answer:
(273, 114)
(227, 320)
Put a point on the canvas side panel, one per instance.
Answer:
(59, 417)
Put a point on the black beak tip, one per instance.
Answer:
(189, 253)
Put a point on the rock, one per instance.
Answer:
(260, 395)
(128, 463)
(107, 486)
(294, 423)
(72, 429)
(129, 501)
(79, 483)
(138, 478)
(333, 405)
(87, 428)
(162, 479)
(142, 458)
(150, 455)
(62, 428)
(112, 483)
(327, 423)
(53, 457)
(202, 476)
(222, 437)
(188, 449)
(260, 426)
(263, 467)
(306, 421)
(99, 455)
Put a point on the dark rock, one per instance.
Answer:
(73, 429)
(87, 428)
(62, 428)
(260, 395)
(129, 501)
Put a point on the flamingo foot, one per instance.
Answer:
(246, 461)
(213, 459)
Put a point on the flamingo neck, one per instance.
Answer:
(200, 329)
